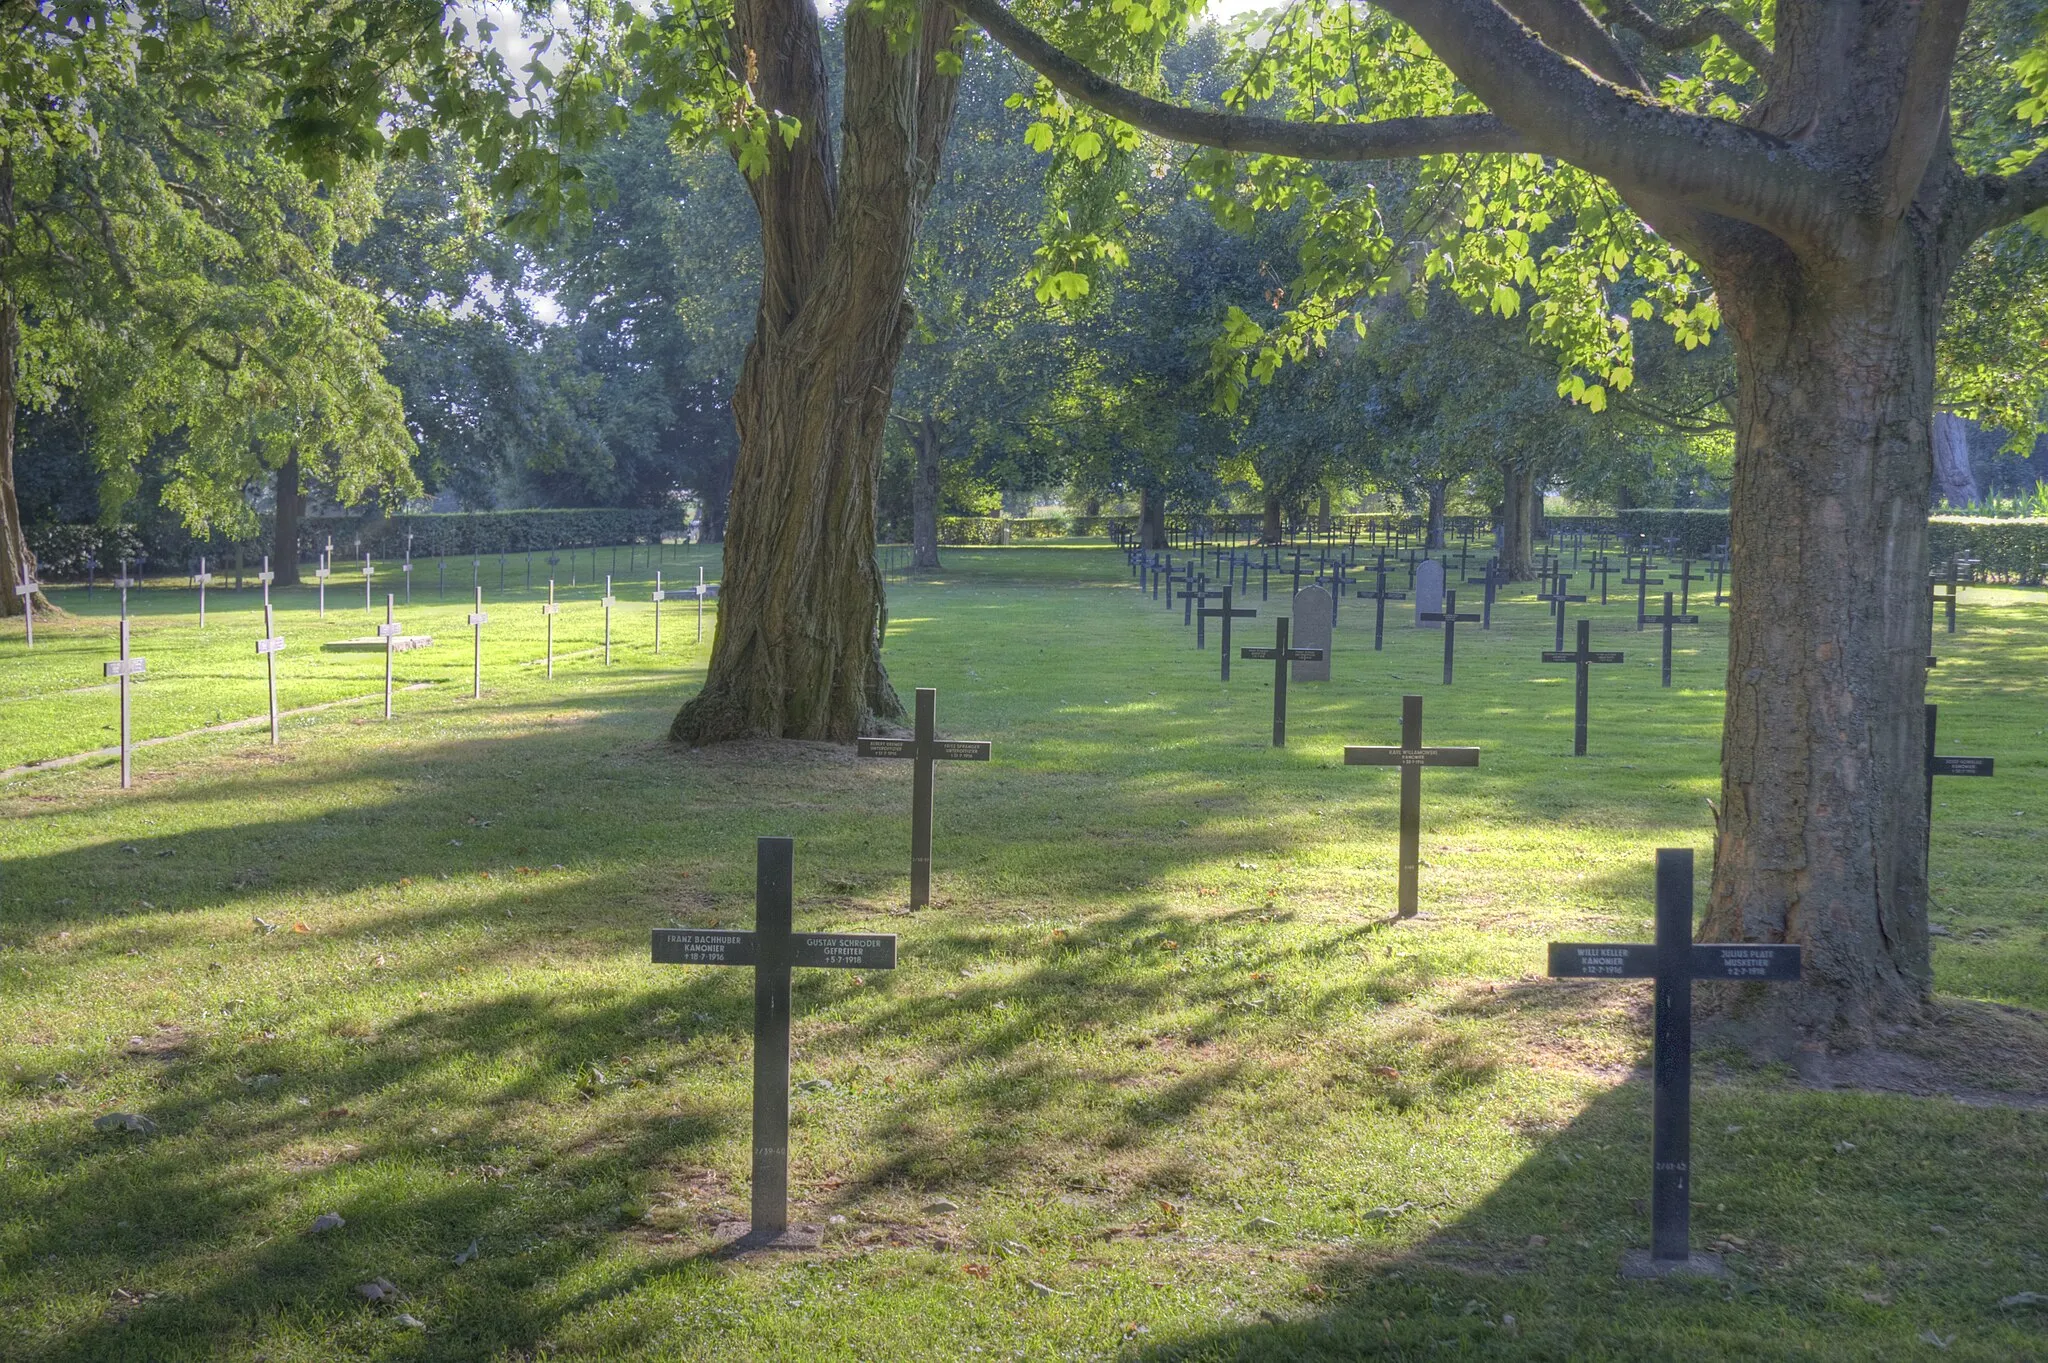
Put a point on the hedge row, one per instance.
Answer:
(2009, 549)
(61, 550)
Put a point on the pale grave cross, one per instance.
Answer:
(1674, 961)
(608, 600)
(924, 749)
(705, 591)
(1411, 757)
(124, 582)
(26, 589)
(199, 580)
(659, 597)
(773, 948)
(124, 668)
(267, 648)
(477, 621)
(549, 610)
(389, 631)
(368, 573)
(1583, 657)
(320, 575)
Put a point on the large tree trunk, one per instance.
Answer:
(1274, 527)
(1151, 519)
(284, 539)
(1518, 496)
(16, 563)
(797, 653)
(1823, 830)
(1953, 480)
(924, 497)
(1433, 535)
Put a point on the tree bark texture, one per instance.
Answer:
(1823, 828)
(284, 539)
(924, 497)
(1953, 480)
(1151, 519)
(1439, 492)
(16, 563)
(797, 652)
(1274, 528)
(1518, 495)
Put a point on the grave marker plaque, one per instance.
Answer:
(1674, 961)
(1429, 593)
(925, 749)
(1411, 757)
(1583, 656)
(1312, 631)
(549, 610)
(125, 667)
(1281, 656)
(772, 948)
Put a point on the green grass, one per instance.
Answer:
(1156, 1000)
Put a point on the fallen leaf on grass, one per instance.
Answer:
(300, 927)
(467, 1254)
(980, 1271)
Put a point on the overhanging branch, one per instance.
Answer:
(1386, 139)
(1922, 117)
(1710, 22)
(2008, 198)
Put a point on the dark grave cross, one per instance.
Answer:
(1603, 566)
(268, 647)
(1449, 617)
(1946, 594)
(1281, 655)
(27, 588)
(1561, 596)
(1583, 656)
(1178, 585)
(1224, 614)
(441, 576)
(925, 749)
(1720, 574)
(92, 568)
(1198, 600)
(549, 610)
(125, 667)
(773, 948)
(1491, 579)
(477, 620)
(1667, 620)
(1411, 757)
(1643, 584)
(1685, 581)
(1380, 596)
(389, 631)
(1674, 961)
(1948, 766)
(199, 580)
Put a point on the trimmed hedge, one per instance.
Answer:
(2009, 549)
(61, 550)
(484, 532)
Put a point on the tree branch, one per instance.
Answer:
(1387, 139)
(1923, 105)
(1710, 22)
(2008, 198)
(1566, 26)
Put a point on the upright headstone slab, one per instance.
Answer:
(925, 749)
(1429, 594)
(125, 667)
(1312, 631)
(1675, 961)
(1411, 757)
(772, 948)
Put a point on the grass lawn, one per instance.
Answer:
(1156, 1078)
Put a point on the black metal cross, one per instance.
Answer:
(1667, 620)
(924, 749)
(1449, 618)
(772, 948)
(1492, 579)
(1643, 583)
(1560, 596)
(1583, 656)
(1685, 581)
(1281, 655)
(1411, 757)
(1674, 962)
(1946, 593)
(1225, 613)
(1196, 597)
(1948, 766)
(1380, 596)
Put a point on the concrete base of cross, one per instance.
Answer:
(1637, 1263)
(736, 1239)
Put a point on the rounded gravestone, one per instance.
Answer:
(1312, 610)
(1429, 592)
